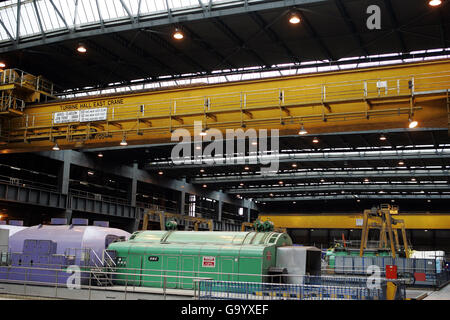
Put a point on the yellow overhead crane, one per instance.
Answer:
(348, 100)
(430, 221)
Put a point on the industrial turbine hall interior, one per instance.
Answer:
(225, 149)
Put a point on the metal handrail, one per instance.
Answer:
(365, 89)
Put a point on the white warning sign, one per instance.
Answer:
(97, 114)
(64, 117)
(86, 115)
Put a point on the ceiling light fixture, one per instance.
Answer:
(315, 140)
(294, 165)
(294, 18)
(412, 123)
(56, 147)
(302, 131)
(160, 173)
(81, 48)
(401, 163)
(178, 35)
(123, 142)
(100, 155)
(2, 65)
(435, 3)
(383, 137)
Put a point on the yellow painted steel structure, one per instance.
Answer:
(354, 221)
(349, 100)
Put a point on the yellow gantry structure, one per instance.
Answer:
(347, 100)
(436, 221)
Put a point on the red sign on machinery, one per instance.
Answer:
(209, 261)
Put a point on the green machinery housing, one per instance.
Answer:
(173, 258)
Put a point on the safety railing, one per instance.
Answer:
(200, 285)
(414, 272)
(321, 94)
(25, 79)
(7, 101)
(27, 183)
(98, 197)
(233, 290)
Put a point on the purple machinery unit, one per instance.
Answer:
(42, 253)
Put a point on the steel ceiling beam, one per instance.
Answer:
(226, 30)
(7, 31)
(310, 157)
(19, 5)
(151, 21)
(207, 47)
(38, 18)
(59, 14)
(141, 53)
(355, 197)
(350, 25)
(273, 36)
(395, 24)
(329, 175)
(363, 187)
(156, 38)
(313, 34)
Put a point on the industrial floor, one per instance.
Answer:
(443, 294)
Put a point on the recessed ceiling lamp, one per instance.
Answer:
(435, 3)
(383, 137)
(202, 170)
(294, 165)
(280, 182)
(315, 140)
(412, 123)
(178, 35)
(81, 48)
(100, 155)
(204, 186)
(56, 147)
(294, 18)
(160, 173)
(401, 163)
(123, 142)
(247, 168)
(302, 131)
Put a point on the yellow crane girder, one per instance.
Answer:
(347, 100)
(355, 221)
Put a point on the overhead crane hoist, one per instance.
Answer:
(382, 218)
(347, 100)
